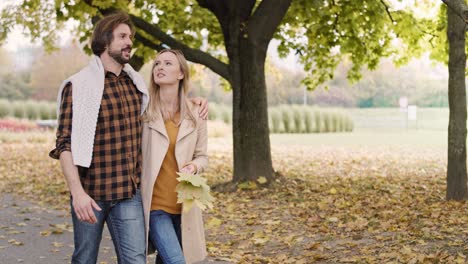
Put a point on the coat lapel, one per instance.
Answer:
(185, 128)
(158, 125)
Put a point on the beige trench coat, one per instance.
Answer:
(191, 146)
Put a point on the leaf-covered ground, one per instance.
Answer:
(381, 204)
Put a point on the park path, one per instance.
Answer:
(37, 235)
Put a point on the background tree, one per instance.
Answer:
(231, 38)
(457, 19)
(14, 83)
(50, 69)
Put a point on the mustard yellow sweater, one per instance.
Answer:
(164, 190)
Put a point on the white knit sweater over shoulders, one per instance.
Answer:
(88, 87)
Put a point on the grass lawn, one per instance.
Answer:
(367, 138)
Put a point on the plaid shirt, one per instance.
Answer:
(116, 163)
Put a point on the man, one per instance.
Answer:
(98, 144)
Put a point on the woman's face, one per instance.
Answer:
(166, 70)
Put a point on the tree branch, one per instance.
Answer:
(387, 10)
(137, 62)
(148, 43)
(459, 7)
(266, 19)
(193, 55)
(220, 10)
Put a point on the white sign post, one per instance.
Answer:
(403, 102)
(412, 113)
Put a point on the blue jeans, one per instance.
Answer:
(125, 222)
(166, 235)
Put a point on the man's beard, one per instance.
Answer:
(118, 57)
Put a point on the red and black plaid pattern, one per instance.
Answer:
(116, 164)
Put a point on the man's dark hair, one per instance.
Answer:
(102, 34)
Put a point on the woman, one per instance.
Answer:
(174, 140)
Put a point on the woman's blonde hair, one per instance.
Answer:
(154, 105)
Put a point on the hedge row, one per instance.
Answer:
(294, 119)
(282, 119)
(32, 110)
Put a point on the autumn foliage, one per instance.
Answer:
(384, 204)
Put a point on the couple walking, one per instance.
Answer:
(120, 146)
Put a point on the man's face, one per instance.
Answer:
(121, 46)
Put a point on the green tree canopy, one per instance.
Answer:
(321, 32)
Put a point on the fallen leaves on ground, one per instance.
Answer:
(338, 205)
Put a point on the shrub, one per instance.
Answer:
(298, 116)
(319, 126)
(336, 122)
(309, 120)
(291, 119)
(327, 122)
(32, 110)
(226, 115)
(213, 112)
(18, 109)
(5, 108)
(53, 110)
(348, 124)
(276, 121)
(288, 119)
(44, 110)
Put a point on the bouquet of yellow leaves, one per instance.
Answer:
(192, 189)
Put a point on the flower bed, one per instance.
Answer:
(16, 125)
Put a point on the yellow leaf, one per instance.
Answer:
(57, 244)
(260, 241)
(57, 231)
(262, 180)
(248, 185)
(271, 222)
(214, 222)
(406, 250)
(45, 233)
(313, 246)
(333, 191)
(15, 242)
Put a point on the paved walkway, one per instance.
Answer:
(37, 235)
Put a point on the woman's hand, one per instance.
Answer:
(189, 168)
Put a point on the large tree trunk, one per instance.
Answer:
(252, 155)
(247, 36)
(456, 168)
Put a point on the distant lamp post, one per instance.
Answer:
(305, 95)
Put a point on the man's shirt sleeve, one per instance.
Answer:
(63, 141)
